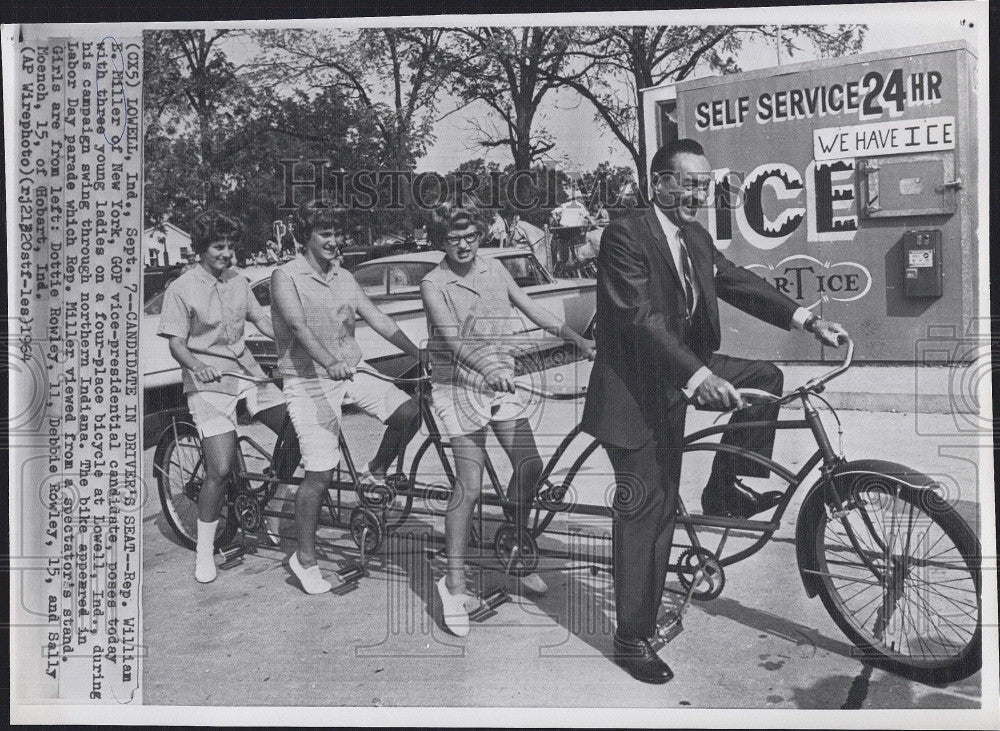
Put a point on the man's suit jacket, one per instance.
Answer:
(645, 352)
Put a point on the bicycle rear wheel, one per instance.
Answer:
(900, 575)
(179, 467)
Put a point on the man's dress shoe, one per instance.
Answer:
(639, 659)
(729, 497)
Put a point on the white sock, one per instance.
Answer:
(206, 536)
(204, 564)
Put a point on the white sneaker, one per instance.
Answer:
(204, 567)
(367, 478)
(534, 584)
(456, 613)
(311, 578)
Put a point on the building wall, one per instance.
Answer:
(796, 171)
(170, 246)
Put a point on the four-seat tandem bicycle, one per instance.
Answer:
(894, 564)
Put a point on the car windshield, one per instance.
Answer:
(262, 291)
(525, 270)
(154, 306)
(392, 280)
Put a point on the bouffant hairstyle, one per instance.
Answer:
(212, 225)
(317, 214)
(450, 215)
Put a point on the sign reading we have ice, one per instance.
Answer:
(884, 138)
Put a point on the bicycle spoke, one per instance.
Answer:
(935, 625)
(957, 604)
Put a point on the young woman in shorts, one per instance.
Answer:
(204, 313)
(315, 304)
(470, 302)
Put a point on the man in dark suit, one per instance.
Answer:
(659, 279)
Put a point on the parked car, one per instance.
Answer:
(393, 283)
(156, 279)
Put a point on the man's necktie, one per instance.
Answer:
(688, 275)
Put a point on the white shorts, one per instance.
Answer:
(315, 406)
(460, 411)
(214, 413)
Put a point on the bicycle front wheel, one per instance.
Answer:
(179, 466)
(899, 574)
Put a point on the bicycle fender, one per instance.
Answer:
(813, 506)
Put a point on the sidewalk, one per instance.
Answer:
(253, 637)
(897, 389)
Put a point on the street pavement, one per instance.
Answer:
(254, 638)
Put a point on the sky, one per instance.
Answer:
(582, 142)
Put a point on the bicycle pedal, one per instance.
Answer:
(489, 604)
(352, 574)
(669, 627)
(344, 589)
(231, 557)
(398, 481)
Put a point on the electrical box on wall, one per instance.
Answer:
(922, 272)
(916, 185)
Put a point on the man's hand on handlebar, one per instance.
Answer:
(717, 393)
(588, 348)
(830, 333)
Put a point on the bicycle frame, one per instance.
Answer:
(498, 498)
(824, 456)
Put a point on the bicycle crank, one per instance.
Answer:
(247, 509)
(700, 572)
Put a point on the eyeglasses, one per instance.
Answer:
(683, 184)
(470, 238)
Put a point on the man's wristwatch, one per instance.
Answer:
(810, 324)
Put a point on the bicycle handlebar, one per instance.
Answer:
(817, 383)
(368, 371)
(554, 395)
(755, 397)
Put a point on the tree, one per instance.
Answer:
(215, 139)
(612, 64)
(193, 100)
(391, 74)
(510, 70)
